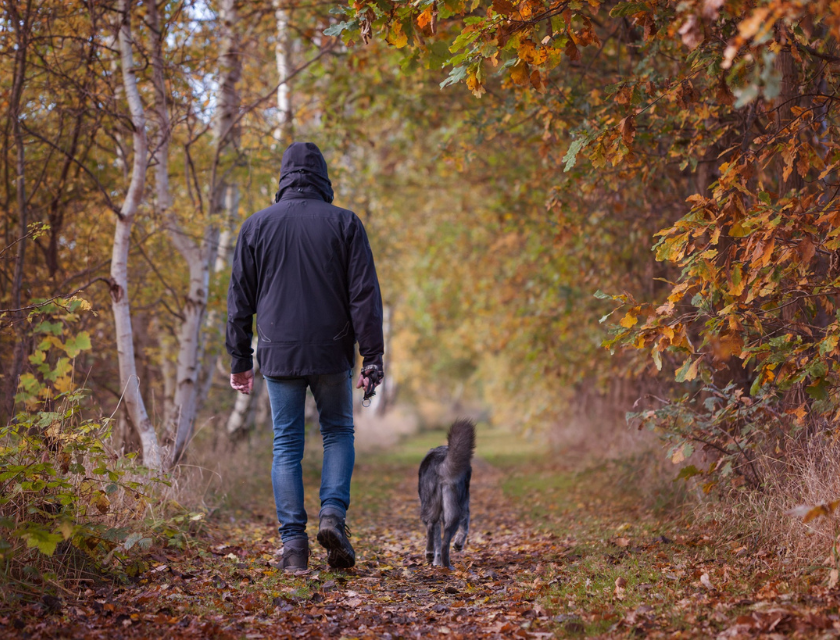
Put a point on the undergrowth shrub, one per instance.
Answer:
(71, 509)
(731, 429)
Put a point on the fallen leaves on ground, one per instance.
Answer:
(561, 564)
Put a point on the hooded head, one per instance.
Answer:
(304, 170)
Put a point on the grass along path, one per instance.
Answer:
(553, 552)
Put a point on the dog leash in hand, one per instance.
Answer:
(374, 375)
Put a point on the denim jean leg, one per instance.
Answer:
(288, 396)
(334, 398)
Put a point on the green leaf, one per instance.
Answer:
(44, 541)
(78, 343)
(338, 29)
(571, 155)
(818, 390)
(680, 374)
(623, 9)
(131, 540)
(49, 327)
(455, 76)
(688, 472)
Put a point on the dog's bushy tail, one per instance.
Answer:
(461, 441)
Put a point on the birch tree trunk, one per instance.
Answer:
(181, 413)
(283, 54)
(243, 413)
(224, 202)
(119, 259)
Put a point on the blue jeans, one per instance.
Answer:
(334, 399)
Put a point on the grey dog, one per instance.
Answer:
(444, 488)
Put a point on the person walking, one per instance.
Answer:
(305, 269)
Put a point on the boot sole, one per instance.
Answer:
(337, 557)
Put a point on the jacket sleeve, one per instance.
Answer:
(365, 298)
(242, 305)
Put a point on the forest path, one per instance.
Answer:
(552, 553)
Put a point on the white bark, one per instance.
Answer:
(181, 413)
(238, 418)
(387, 390)
(224, 202)
(243, 412)
(119, 260)
(283, 51)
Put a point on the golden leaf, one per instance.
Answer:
(629, 320)
(519, 73)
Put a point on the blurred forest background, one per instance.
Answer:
(538, 179)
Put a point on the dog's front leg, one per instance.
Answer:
(432, 535)
(437, 561)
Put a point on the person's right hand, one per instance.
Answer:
(243, 382)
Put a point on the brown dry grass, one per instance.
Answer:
(809, 475)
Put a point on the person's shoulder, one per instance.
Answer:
(255, 219)
(275, 207)
(340, 211)
(348, 219)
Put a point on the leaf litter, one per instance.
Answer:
(562, 564)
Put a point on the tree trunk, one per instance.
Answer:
(243, 415)
(21, 26)
(388, 388)
(222, 191)
(283, 54)
(119, 259)
(181, 413)
(789, 96)
(238, 419)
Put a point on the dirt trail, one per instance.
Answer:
(231, 591)
(598, 565)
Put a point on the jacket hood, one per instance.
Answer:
(304, 169)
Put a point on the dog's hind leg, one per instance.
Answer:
(460, 540)
(432, 541)
(451, 518)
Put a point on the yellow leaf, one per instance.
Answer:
(397, 37)
(519, 73)
(692, 370)
(65, 528)
(629, 320)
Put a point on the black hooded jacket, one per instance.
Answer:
(305, 268)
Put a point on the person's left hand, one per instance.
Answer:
(243, 382)
(370, 378)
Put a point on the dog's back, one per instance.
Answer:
(444, 488)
